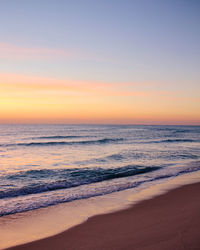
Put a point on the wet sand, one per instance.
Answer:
(169, 221)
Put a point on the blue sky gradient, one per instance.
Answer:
(142, 41)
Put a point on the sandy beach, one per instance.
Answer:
(169, 221)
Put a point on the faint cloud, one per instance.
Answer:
(9, 51)
(14, 52)
(66, 86)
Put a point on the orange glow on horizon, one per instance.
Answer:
(29, 99)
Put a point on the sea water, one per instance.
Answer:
(43, 165)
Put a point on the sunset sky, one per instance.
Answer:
(108, 61)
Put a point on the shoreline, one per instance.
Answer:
(170, 220)
(47, 220)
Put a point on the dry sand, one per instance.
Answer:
(170, 221)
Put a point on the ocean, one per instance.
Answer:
(43, 165)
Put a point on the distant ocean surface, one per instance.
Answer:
(42, 165)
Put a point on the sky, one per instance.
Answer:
(108, 61)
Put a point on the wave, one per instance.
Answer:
(39, 200)
(116, 157)
(175, 129)
(61, 137)
(174, 140)
(55, 143)
(38, 180)
(184, 131)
